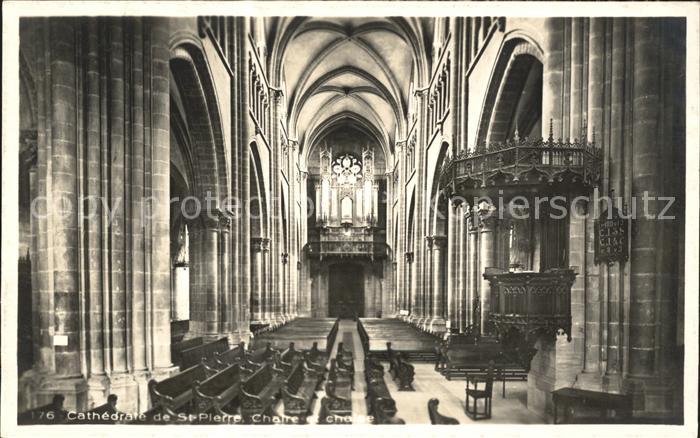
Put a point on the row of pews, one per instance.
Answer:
(336, 406)
(238, 385)
(285, 363)
(414, 344)
(468, 355)
(304, 332)
(380, 405)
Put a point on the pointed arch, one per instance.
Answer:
(199, 104)
(516, 52)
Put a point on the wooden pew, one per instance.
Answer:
(52, 413)
(178, 330)
(435, 416)
(400, 369)
(316, 359)
(380, 404)
(415, 345)
(218, 391)
(344, 359)
(338, 393)
(197, 354)
(259, 392)
(289, 356)
(377, 389)
(337, 401)
(174, 394)
(261, 355)
(373, 368)
(225, 359)
(106, 413)
(177, 348)
(344, 364)
(299, 391)
(385, 412)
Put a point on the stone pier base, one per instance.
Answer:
(36, 389)
(554, 366)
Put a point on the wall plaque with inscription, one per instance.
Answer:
(611, 237)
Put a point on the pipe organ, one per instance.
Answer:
(347, 194)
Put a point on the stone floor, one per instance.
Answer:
(412, 405)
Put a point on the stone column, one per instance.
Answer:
(294, 251)
(617, 144)
(276, 287)
(95, 274)
(437, 322)
(117, 192)
(645, 160)
(137, 184)
(266, 283)
(102, 284)
(245, 136)
(426, 295)
(210, 287)
(576, 109)
(256, 276)
(473, 278)
(596, 88)
(553, 76)
(226, 308)
(421, 266)
(453, 257)
(303, 288)
(409, 296)
(460, 300)
(487, 226)
(286, 298)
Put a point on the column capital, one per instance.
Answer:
(439, 242)
(225, 219)
(276, 93)
(457, 201)
(486, 216)
(259, 244)
(409, 257)
(211, 219)
(284, 258)
(420, 93)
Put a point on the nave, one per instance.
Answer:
(195, 357)
(223, 181)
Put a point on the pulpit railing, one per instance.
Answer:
(521, 162)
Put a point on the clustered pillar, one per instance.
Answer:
(101, 245)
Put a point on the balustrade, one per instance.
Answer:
(523, 165)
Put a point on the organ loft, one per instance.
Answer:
(267, 217)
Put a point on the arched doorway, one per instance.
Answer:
(346, 290)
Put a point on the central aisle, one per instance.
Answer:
(348, 335)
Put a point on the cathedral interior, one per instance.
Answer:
(189, 184)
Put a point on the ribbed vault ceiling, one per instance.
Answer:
(355, 71)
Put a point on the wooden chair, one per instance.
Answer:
(435, 416)
(475, 394)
